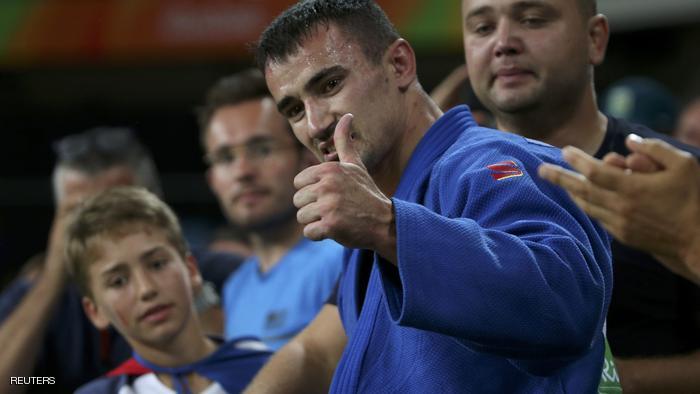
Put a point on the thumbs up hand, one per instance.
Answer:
(340, 200)
(342, 139)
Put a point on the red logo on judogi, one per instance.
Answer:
(504, 169)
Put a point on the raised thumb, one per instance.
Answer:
(343, 141)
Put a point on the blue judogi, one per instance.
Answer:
(502, 283)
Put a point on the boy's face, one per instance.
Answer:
(141, 285)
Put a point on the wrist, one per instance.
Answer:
(387, 237)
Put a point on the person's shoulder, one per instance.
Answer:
(620, 129)
(240, 350)
(245, 270)
(106, 385)
(483, 148)
(247, 344)
(324, 258)
(323, 248)
(207, 257)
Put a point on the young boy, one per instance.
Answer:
(126, 251)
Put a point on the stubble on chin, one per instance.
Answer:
(267, 223)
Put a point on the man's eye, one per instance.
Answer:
(295, 111)
(532, 21)
(224, 157)
(483, 29)
(331, 85)
(260, 150)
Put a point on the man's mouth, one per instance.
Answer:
(331, 157)
(248, 195)
(327, 150)
(512, 75)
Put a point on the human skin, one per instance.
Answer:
(649, 200)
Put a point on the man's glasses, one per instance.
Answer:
(256, 151)
(97, 141)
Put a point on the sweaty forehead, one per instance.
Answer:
(326, 46)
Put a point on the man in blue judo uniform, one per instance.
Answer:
(464, 271)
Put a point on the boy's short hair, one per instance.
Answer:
(113, 213)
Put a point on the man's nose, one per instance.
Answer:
(244, 166)
(508, 42)
(318, 118)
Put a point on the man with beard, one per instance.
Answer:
(253, 158)
(464, 272)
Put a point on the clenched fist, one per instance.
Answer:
(340, 200)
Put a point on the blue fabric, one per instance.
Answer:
(502, 285)
(276, 305)
(106, 385)
(73, 350)
(229, 366)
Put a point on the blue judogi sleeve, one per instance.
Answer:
(504, 264)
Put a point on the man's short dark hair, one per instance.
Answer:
(361, 20)
(231, 90)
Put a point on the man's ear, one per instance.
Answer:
(402, 62)
(193, 272)
(93, 312)
(598, 36)
(210, 178)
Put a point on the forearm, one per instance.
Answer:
(292, 370)
(462, 280)
(676, 374)
(306, 364)
(21, 334)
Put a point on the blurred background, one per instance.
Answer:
(66, 66)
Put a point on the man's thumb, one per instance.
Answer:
(342, 140)
(658, 150)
